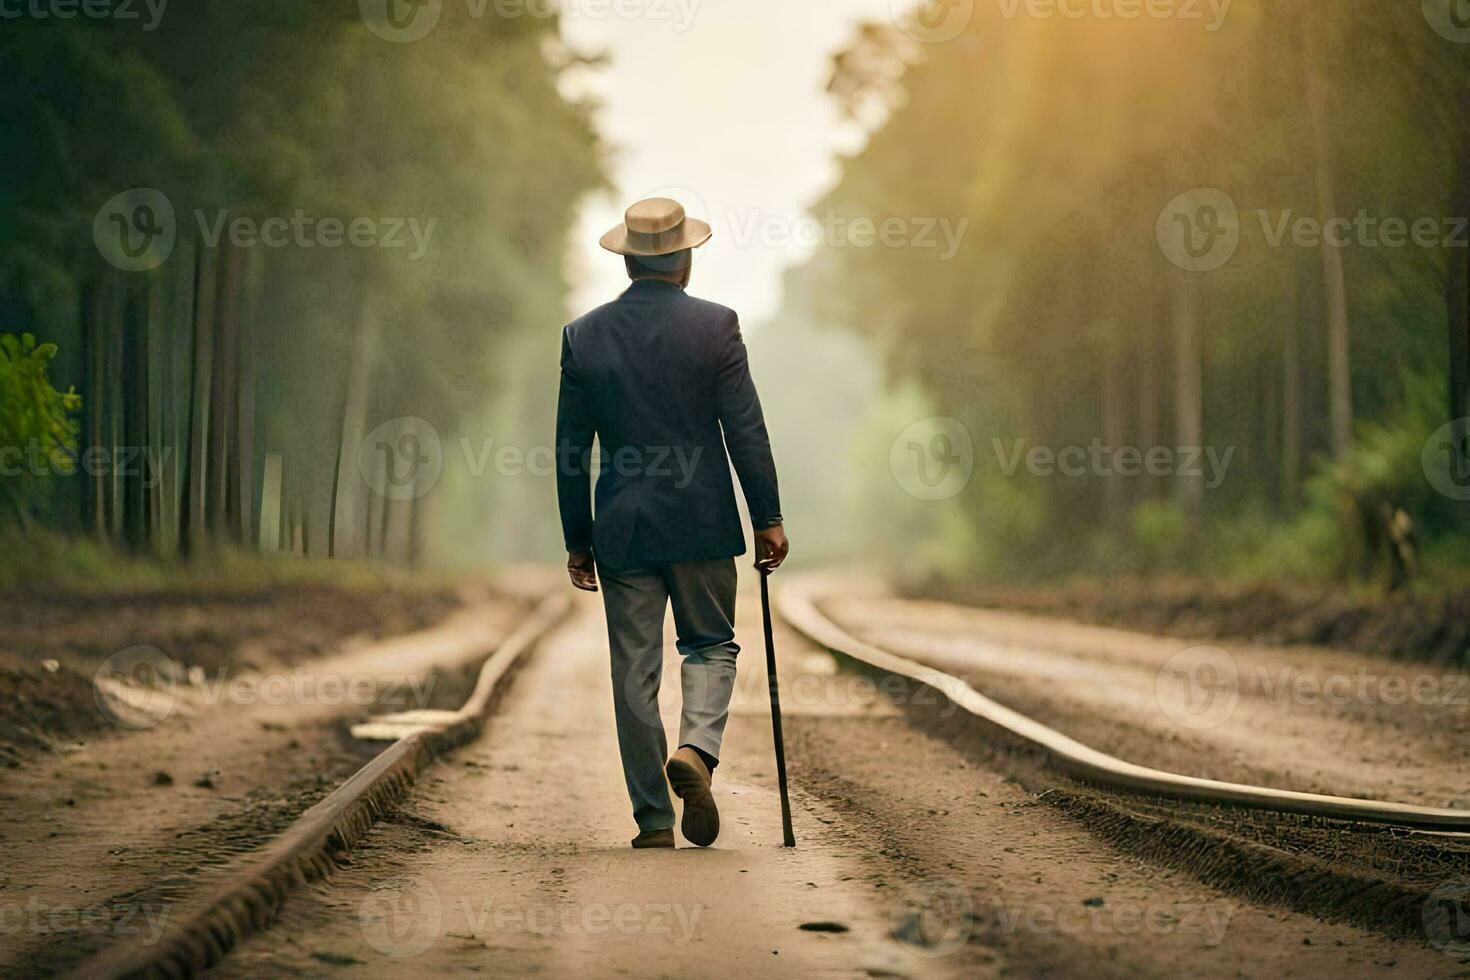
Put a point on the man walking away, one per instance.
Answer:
(662, 381)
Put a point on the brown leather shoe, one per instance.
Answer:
(655, 838)
(690, 779)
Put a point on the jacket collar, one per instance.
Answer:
(652, 286)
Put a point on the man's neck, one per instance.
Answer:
(666, 280)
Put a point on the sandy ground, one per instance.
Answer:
(104, 836)
(511, 857)
(1295, 718)
(53, 644)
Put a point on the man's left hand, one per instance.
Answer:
(771, 547)
(582, 570)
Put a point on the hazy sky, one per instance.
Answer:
(721, 105)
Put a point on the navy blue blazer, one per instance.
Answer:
(662, 380)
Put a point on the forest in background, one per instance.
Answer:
(244, 381)
(225, 393)
(1329, 373)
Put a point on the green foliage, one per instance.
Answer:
(1159, 532)
(1060, 142)
(38, 437)
(257, 110)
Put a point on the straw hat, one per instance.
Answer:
(657, 226)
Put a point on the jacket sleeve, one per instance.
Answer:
(574, 433)
(745, 428)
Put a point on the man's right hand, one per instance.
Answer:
(771, 547)
(582, 570)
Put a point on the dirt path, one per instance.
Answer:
(511, 857)
(1297, 718)
(104, 837)
(1015, 887)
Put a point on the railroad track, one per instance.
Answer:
(799, 604)
(251, 893)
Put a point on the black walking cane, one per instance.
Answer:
(789, 837)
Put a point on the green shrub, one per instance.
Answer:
(38, 437)
(1159, 530)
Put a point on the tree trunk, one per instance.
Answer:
(1115, 503)
(1188, 389)
(113, 410)
(1291, 396)
(175, 374)
(196, 486)
(223, 498)
(154, 371)
(132, 462)
(1339, 369)
(1457, 302)
(348, 513)
(94, 388)
(1150, 383)
(244, 416)
(271, 504)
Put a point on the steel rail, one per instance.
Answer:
(251, 894)
(798, 607)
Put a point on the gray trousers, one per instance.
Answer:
(702, 594)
